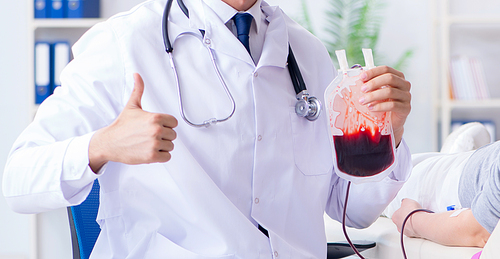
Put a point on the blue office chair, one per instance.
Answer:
(83, 225)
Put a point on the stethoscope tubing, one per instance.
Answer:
(166, 39)
(221, 79)
(307, 107)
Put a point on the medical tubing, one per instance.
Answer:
(296, 86)
(181, 107)
(183, 8)
(403, 228)
(221, 79)
(224, 85)
(293, 77)
(343, 222)
(166, 40)
(293, 68)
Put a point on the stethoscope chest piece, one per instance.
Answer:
(307, 107)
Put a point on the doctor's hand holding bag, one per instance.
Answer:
(250, 176)
(386, 90)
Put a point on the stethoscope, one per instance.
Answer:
(307, 106)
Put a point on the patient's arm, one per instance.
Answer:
(462, 230)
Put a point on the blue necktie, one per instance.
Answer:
(243, 22)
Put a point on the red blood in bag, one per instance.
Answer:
(363, 153)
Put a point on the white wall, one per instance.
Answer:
(14, 228)
(407, 25)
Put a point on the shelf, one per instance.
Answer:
(488, 103)
(464, 28)
(487, 19)
(66, 23)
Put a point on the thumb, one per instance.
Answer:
(136, 96)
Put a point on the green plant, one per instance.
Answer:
(353, 25)
(304, 19)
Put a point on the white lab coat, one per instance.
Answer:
(264, 166)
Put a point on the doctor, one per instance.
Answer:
(254, 186)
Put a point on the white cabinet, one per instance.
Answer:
(470, 28)
(52, 30)
(65, 29)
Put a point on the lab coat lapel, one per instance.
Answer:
(222, 40)
(179, 23)
(202, 17)
(275, 49)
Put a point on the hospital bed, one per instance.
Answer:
(387, 237)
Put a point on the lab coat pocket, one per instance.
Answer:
(311, 146)
(162, 247)
(109, 206)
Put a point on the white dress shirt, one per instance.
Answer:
(226, 13)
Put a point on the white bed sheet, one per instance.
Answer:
(387, 237)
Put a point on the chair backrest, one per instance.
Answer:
(83, 225)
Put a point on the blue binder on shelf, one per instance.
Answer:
(83, 8)
(56, 9)
(42, 71)
(41, 9)
(60, 57)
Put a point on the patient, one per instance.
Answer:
(457, 177)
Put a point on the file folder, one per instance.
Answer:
(60, 57)
(42, 71)
(41, 9)
(83, 8)
(56, 9)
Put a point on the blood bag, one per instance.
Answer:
(362, 141)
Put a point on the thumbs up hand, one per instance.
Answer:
(135, 137)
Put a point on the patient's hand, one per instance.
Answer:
(407, 206)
